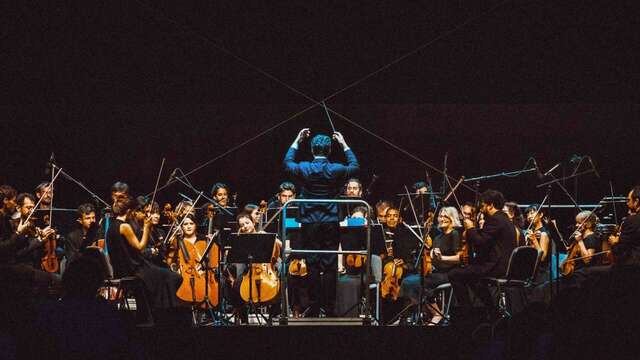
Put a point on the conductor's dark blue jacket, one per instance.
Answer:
(320, 179)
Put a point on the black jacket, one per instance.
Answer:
(494, 243)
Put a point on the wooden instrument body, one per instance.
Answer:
(194, 281)
(261, 284)
(390, 286)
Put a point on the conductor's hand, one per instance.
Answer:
(340, 139)
(303, 134)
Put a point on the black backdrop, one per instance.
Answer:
(112, 88)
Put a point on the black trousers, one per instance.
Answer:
(463, 279)
(322, 268)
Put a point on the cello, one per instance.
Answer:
(197, 284)
(260, 284)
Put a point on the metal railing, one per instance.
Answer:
(284, 314)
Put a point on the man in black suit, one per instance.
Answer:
(320, 179)
(493, 245)
(626, 247)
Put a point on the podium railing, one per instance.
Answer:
(284, 314)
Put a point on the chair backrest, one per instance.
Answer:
(522, 263)
(99, 254)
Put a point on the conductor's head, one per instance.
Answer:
(321, 145)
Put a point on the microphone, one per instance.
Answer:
(173, 174)
(50, 164)
(538, 171)
(576, 158)
(593, 166)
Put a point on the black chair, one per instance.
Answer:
(125, 292)
(521, 271)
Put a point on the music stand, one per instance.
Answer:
(249, 249)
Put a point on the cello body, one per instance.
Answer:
(194, 285)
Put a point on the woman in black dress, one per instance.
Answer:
(125, 251)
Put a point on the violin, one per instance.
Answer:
(427, 261)
(194, 285)
(298, 267)
(390, 286)
(260, 284)
(49, 261)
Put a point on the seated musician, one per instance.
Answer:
(445, 254)
(286, 192)
(588, 241)
(237, 271)
(381, 210)
(19, 278)
(30, 250)
(353, 188)
(126, 255)
(493, 244)
(346, 262)
(83, 235)
(538, 237)
(626, 244)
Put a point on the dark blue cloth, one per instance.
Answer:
(320, 179)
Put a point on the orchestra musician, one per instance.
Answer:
(286, 192)
(493, 245)
(445, 254)
(538, 237)
(320, 179)
(83, 235)
(626, 244)
(126, 255)
(381, 210)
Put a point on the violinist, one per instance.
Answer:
(44, 191)
(287, 191)
(125, 250)
(143, 209)
(627, 243)
(381, 210)
(353, 188)
(588, 242)
(84, 234)
(445, 253)
(493, 245)
(31, 250)
(538, 235)
(468, 210)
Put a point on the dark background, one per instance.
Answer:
(113, 87)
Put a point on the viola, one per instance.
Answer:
(390, 286)
(427, 262)
(49, 261)
(194, 278)
(355, 261)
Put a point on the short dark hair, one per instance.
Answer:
(534, 208)
(518, 219)
(192, 217)
(635, 193)
(287, 185)
(141, 202)
(493, 197)
(384, 204)
(217, 186)
(21, 197)
(120, 186)
(419, 185)
(362, 209)
(470, 204)
(7, 192)
(86, 208)
(121, 206)
(321, 145)
(83, 277)
(40, 188)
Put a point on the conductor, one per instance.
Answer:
(320, 179)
